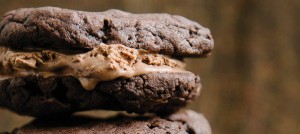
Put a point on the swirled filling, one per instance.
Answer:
(103, 63)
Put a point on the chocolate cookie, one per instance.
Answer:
(178, 123)
(57, 61)
(72, 31)
(161, 93)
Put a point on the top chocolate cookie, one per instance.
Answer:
(66, 30)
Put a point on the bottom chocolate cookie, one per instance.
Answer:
(160, 93)
(181, 122)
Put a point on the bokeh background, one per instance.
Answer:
(251, 80)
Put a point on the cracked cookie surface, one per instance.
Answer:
(178, 123)
(160, 93)
(73, 31)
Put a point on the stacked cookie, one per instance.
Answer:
(57, 61)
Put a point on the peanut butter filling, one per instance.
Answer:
(104, 63)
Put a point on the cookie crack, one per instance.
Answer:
(107, 29)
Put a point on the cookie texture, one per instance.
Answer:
(160, 93)
(178, 123)
(76, 31)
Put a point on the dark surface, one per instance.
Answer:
(183, 122)
(161, 93)
(68, 30)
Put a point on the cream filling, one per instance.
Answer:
(104, 63)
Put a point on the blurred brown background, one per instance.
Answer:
(251, 80)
